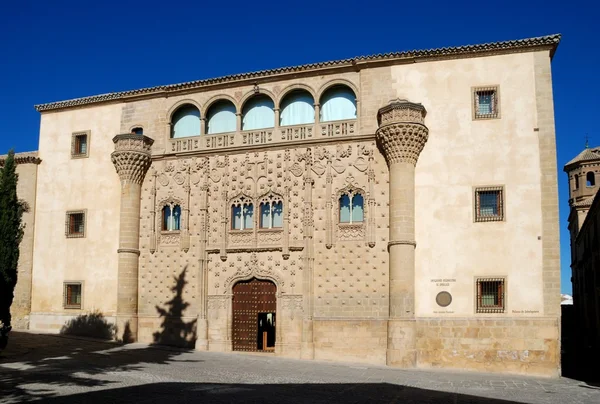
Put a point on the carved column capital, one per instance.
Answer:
(132, 157)
(402, 133)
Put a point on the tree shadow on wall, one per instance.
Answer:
(175, 331)
(90, 325)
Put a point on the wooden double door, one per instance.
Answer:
(254, 311)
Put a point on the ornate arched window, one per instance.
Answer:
(351, 207)
(221, 118)
(590, 179)
(258, 113)
(242, 214)
(297, 108)
(171, 217)
(271, 212)
(185, 121)
(337, 103)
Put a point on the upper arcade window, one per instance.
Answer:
(171, 218)
(137, 131)
(185, 122)
(221, 118)
(337, 103)
(297, 108)
(271, 213)
(590, 179)
(351, 207)
(242, 214)
(258, 113)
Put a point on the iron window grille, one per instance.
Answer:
(72, 295)
(75, 224)
(489, 204)
(490, 295)
(486, 102)
(80, 144)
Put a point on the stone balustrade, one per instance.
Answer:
(268, 136)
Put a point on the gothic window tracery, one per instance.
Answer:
(171, 217)
(351, 207)
(271, 212)
(242, 214)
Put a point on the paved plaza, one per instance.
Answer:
(60, 369)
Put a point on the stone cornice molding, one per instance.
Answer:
(22, 158)
(132, 157)
(549, 42)
(402, 133)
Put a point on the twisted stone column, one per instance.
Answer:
(401, 136)
(132, 159)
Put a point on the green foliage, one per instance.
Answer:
(11, 233)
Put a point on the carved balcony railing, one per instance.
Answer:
(339, 128)
(277, 135)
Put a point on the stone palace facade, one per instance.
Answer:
(394, 209)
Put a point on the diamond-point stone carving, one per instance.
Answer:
(132, 157)
(402, 133)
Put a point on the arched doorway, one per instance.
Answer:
(254, 310)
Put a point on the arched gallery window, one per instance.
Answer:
(351, 208)
(137, 131)
(171, 218)
(271, 214)
(297, 108)
(590, 179)
(221, 118)
(242, 214)
(185, 122)
(258, 113)
(337, 103)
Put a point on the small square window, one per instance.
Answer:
(485, 103)
(75, 224)
(490, 295)
(72, 295)
(489, 204)
(80, 144)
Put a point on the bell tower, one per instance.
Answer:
(584, 174)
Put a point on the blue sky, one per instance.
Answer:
(56, 50)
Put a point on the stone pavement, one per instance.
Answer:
(59, 369)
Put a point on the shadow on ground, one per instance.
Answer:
(273, 393)
(46, 359)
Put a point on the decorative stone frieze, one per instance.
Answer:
(402, 133)
(132, 157)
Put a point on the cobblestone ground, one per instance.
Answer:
(67, 370)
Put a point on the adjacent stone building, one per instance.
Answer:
(584, 229)
(394, 209)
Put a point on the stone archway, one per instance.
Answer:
(254, 310)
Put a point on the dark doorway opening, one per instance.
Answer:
(254, 309)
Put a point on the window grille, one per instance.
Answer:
(485, 101)
(490, 295)
(75, 224)
(72, 295)
(80, 144)
(489, 204)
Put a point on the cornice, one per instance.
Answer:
(529, 44)
(22, 158)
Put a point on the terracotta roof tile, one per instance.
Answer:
(446, 52)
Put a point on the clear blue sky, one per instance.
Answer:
(56, 50)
